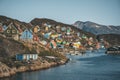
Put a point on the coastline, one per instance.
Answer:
(31, 67)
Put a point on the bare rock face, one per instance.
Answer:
(5, 71)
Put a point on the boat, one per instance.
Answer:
(113, 50)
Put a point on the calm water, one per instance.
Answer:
(91, 66)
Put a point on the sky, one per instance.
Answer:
(106, 12)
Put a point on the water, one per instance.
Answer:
(91, 66)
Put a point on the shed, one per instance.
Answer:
(21, 57)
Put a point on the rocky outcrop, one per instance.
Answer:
(5, 71)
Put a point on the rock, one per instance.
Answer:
(5, 71)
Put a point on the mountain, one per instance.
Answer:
(97, 29)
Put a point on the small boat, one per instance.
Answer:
(113, 50)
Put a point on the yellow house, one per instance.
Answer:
(54, 36)
(36, 29)
(46, 28)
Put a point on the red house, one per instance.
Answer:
(35, 38)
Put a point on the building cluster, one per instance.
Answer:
(49, 35)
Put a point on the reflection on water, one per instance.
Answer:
(90, 66)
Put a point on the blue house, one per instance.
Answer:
(27, 57)
(26, 35)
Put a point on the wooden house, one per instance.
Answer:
(36, 29)
(47, 35)
(11, 32)
(46, 28)
(27, 35)
(4, 27)
(53, 44)
(78, 34)
(63, 29)
(35, 38)
(68, 31)
(54, 35)
(27, 57)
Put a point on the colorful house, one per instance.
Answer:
(63, 28)
(68, 31)
(54, 35)
(27, 35)
(78, 34)
(84, 36)
(12, 32)
(4, 27)
(52, 44)
(27, 57)
(36, 29)
(76, 44)
(46, 28)
(35, 38)
(47, 35)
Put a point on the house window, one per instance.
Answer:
(13, 31)
(8, 31)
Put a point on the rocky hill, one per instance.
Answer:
(56, 26)
(97, 29)
(10, 47)
(112, 39)
(41, 21)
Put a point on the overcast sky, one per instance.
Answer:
(105, 12)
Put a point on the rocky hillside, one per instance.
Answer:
(41, 21)
(57, 26)
(9, 47)
(97, 28)
(112, 39)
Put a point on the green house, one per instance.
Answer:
(11, 32)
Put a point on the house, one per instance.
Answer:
(84, 36)
(12, 32)
(54, 35)
(27, 57)
(47, 35)
(4, 27)
(63, 29)
(76, 44)
(35, 38)
(46, 28)
(27, 35)
(36, 29)
(78, 34)
(43, 42)
(52, 44)
(68, 31)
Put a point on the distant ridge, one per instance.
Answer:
(97, 29)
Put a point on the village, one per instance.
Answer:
(52, 36)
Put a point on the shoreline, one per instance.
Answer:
(32, 67)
